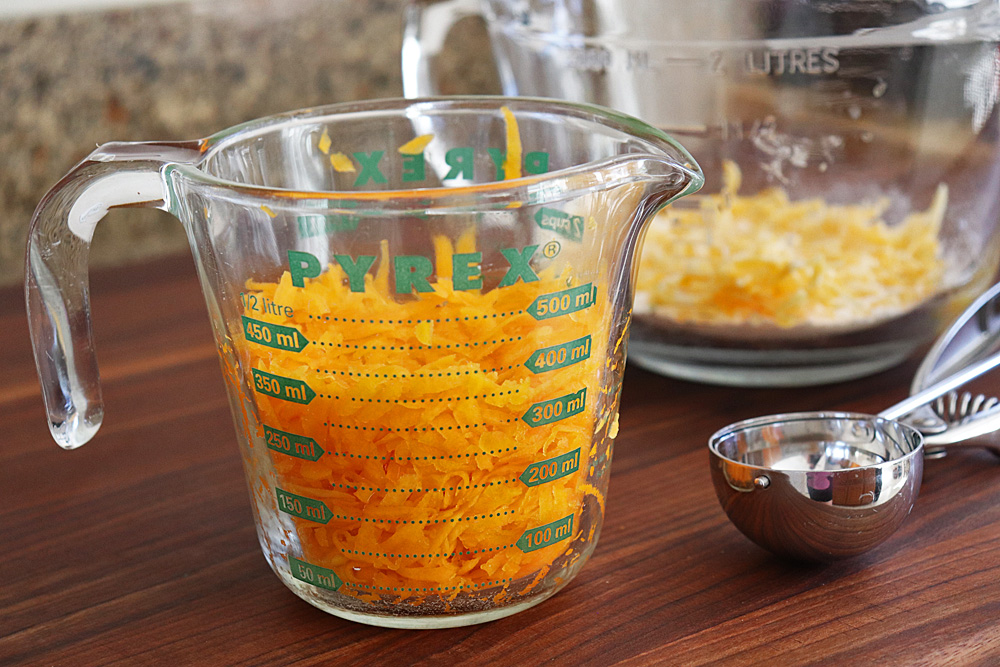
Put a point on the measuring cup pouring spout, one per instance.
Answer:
(420, 307)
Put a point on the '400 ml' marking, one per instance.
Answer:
(283, 388)
(556, 409)
(559, 356)
(563, 302)
(542, 472)
(314, 574)
(543, 536)
(274, 335)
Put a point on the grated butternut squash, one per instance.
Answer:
(765, 259)
(420, 408)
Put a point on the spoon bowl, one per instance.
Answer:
(817, 486)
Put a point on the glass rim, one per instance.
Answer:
(498, 192)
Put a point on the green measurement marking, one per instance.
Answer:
(555, 409)
(314, 574)
(560, 222)
(292, 444)
(543, 536)
(559, 356)
(286, 389)
(542, 472)
(274, 335)
(563, 302)
(302, 507)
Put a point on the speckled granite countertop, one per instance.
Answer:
(170, 72)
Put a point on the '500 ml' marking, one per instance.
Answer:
(563, 302)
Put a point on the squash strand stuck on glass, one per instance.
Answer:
(420, 408)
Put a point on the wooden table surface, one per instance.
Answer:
(139, 549)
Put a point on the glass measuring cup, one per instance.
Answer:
(850, 153)
(420, 309)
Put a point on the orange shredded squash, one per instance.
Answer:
(341, 163)
(416, 145)
(420, 407)
(325, 142)
(512, 159)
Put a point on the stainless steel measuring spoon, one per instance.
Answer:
(822, 486)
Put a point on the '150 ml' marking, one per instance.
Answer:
(302, 507)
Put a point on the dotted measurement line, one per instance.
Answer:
(423, 400)
(450, 346)
(442, 488)
(361, 320)
(430, 589)
(415, 429)
(441, 374)
(492, 452)
(423, 522)
(454, 553)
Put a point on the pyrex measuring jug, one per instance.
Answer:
(851, 160)
(420, 309)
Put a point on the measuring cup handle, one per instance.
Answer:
(425, 27)
(57, 289)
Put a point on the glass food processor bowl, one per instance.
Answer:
(850, 154)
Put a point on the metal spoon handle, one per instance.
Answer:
(951, 382)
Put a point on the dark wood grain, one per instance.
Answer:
(139, 549)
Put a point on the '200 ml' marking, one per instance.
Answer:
(556, 409)
(542, 472)
(273, 335)
(543, 536)
(314, 574)
(292, 444)
(563, 302)
(282, 388)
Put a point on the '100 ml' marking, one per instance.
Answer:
(556, 409)
(543, 536)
